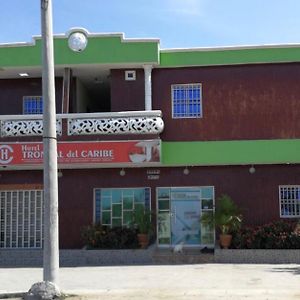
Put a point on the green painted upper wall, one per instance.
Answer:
(18, 56)
(110, 49)
(229, 56)
(231, 152)
(114, 49)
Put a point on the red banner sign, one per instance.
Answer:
(74, 153)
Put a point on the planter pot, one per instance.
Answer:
(225, 240)
(143, 240)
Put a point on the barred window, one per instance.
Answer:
(21, 219)
(186, 100)
(32, 105)
(289, 198)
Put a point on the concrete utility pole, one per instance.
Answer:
(51, 249)
(48, 288)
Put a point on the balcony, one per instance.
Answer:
(129, 122)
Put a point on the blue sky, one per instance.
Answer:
(177, 23)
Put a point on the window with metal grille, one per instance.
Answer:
(32, 105)
(21, 219)
(186, 100)
(115, 207)
(289, 201)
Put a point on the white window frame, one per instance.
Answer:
(37, 100)
(21, 225)
(186, 88)
(291, 205)
(130, 75)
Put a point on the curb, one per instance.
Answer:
(12, 295)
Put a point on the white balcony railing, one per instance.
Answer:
(130, 122)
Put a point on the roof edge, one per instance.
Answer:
(121, 35)
(239, 47)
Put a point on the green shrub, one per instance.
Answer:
(104, 237)
(275, 235)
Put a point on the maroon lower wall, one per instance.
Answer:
(13, 91)
(239, 102)
(256, 194)
(127, 95)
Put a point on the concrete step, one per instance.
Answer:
(188, 256)
(71, 258)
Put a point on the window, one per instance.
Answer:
(21, 219)
(32, 105)
(289, 201)
(130, 75)
(115, 207)
(186, 101)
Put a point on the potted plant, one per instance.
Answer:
(142, 220)
(226, 218)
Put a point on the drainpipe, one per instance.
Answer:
(148, 88)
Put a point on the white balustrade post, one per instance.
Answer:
(148, 87)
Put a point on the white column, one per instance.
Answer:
(148, 87)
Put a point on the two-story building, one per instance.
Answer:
(170, 130)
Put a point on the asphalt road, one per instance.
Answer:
(184, 282)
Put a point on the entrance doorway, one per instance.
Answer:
(185, 225)
(92, 90)
(179, 212)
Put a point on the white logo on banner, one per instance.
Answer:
(6, 154)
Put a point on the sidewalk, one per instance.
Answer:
(185, 282)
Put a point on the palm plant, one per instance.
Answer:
(226, 217)
(142, 220)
